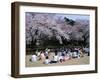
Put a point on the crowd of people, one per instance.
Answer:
(58, 55)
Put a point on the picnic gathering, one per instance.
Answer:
(53, 56)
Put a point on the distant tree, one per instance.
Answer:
(69, 21)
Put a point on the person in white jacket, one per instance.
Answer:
(34, 58)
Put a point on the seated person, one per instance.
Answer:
(69, 54)
(61, 59)
(42, 56)
(75, 55)
(67, 57)
(33, 58)
(81, 53)
(38, 53)
(55, 59)
(59, 53)
(46, 53)
(47, 61)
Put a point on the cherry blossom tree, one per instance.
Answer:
(45, 26)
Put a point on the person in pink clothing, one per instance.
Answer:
(67, 57)
(42, 56)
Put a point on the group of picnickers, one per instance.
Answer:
(51, 56)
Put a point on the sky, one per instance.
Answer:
(70, 16)
(75, 16)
